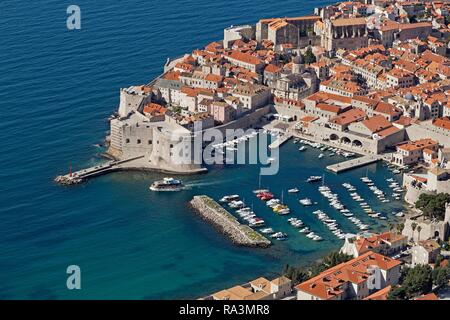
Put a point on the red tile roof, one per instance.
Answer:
(377, 123)
(430, 296)
(348, 117)
(329, 283)
(245, 57)
(443, 123)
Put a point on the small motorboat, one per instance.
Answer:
(314, 179)
(294, 190)
(229, 198)
(279, 236)
(267, 231)
(306, 202)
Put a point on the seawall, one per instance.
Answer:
(242, 235)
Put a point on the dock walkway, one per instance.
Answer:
(353, 163)
(81, 175)
(280, 141)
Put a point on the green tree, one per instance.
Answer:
(418, 280)
(309, 56)
(413, 227)
(301, 274)
(433, 205)
(441, 276)
(397, 293)
(400, 227)
(419, 228)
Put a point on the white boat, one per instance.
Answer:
(167, 184)
(347, 214)
(284, 212)
(229, 198)
(302, 148)
(267, 230)
(310, 235)
(256, 224)
(261, 191)
(294, 190)
(314, 179)
(306, 202)
(273, 202)
(305, 230)
(236, 204)
(321, 156)
(279, 236)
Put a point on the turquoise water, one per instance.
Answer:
(58, 89)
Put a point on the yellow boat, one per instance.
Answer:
(279, 207)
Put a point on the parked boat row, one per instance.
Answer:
(276, 205)
(336, 203)
(396, 188)
(322, 147)
(364, 205)
(245, 213)
(331, 224)
(376, 191)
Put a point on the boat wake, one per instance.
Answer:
(204, 184)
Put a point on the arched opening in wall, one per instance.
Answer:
(334, 137)
(357, 143)
(346, 140)
(436, 234)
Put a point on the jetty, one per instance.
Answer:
(280, 141)
(80, 176)
(353, 163)
(242, 235)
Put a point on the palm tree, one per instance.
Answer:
(413, 227)
(419, 228)
(400, 228)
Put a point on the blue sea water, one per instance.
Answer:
(58, 88)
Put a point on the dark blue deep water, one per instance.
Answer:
(57, 89)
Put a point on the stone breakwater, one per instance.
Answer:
(222, 220)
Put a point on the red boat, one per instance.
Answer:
(265, 196)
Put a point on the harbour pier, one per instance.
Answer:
(353, 163)
(82, 175)
(280, 141)
(242, 235)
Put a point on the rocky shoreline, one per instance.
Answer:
(241, 235)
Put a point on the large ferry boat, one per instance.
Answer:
(167, 184)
